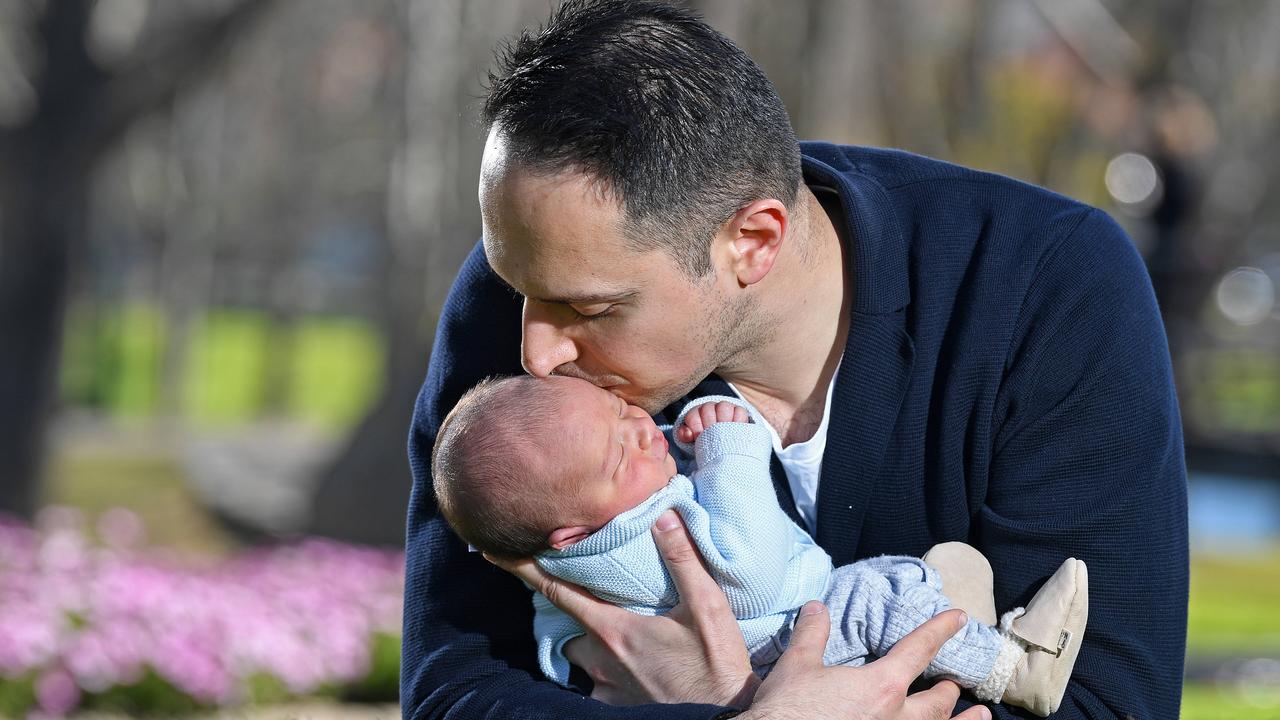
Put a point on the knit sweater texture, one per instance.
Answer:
(1006, 382)
(766, 565)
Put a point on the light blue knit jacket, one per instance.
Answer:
(766, 564)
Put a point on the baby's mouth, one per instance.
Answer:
(660, 443)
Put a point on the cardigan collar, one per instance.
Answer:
(878, 261)
(879, 353)
(878, 357)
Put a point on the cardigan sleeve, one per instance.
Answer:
(468, 648)
(1088, 463)
(751, 537)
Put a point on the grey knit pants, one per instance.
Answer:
(874, 603)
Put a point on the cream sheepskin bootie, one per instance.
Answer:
(966, 579)
(1041, 643)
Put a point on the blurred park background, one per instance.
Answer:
(227, 228)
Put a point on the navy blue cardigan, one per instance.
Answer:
(1006, 382)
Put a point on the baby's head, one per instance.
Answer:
(525, 464)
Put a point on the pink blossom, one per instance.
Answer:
(84, 619)
(56, 692)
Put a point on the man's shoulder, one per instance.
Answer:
(947, 211)
(892, 168)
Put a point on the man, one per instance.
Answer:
(955, 355)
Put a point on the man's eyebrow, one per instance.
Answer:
(588, 298)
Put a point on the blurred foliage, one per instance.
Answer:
(17, 696)
(336, 370)
(1240, 389)
(268, 242)
(382, 684)
(332, 366)
(151, 696)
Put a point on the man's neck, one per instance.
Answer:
(786, 376)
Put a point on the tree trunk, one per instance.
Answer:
(45, 205)
(47, 164)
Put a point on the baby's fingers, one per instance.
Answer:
(740, 415)
(692, 425)
(724, 411)
(708, 413)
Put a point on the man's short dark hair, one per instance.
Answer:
(483, 489)
(672, 118)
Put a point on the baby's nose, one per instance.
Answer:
(643, 438)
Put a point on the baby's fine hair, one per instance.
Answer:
(483, 487)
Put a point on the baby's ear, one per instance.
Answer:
(562, 538)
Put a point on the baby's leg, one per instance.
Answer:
(874, 603)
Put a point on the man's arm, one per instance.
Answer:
(468, 646)
(1088, 462)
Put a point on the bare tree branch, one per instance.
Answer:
(151, 81)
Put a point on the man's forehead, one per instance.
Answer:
(551, 281)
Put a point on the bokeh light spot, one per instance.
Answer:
(1246, 295)
(1132, 178)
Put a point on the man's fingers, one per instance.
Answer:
(913, 653)
(976, 712)
(936, 703)
(591, 612)
(698, 590)
(808, 639)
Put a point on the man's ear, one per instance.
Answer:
(752, 239)
(562, 538)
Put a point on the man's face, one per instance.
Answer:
(630, 322)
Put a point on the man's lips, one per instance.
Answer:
(604, 383)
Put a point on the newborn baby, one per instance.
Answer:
(580, 494)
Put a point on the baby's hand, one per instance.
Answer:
(706, 415)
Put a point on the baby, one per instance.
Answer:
(580, 495)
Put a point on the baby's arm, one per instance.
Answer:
(752, 537)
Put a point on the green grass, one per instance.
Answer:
(1212, 702)
(226, 375)
(1234, 611)
(336, 371)
(149, 484)
(1235, 604)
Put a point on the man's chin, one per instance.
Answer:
(651, 402)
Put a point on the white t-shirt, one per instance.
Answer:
(801, 461)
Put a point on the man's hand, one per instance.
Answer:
(695, 653)
(800, 688)
(708, 414)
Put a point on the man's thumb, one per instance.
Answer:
(808, 638)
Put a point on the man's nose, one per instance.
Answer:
(543, 345)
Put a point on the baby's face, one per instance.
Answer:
(617, 457)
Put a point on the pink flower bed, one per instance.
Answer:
(78, 619)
